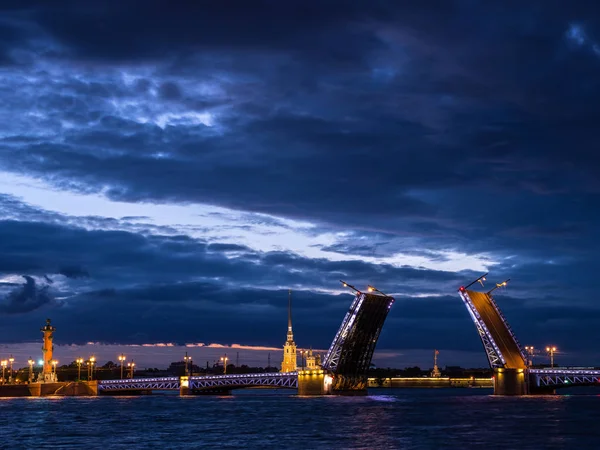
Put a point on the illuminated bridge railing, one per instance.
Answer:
(564, 377)
(163, 383)
(279, 379)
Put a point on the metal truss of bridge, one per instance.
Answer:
(350, 353)
(281, 380)
(563, 377)
(139, 384)
(215, 383)
(499, 342)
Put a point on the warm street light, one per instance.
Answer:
(122, 360)
(499, 285)
(374, 289)
(79, 362)
(188, 363)
(529, 351)
(30, 362)
(54, 363)
(349, 286)
(551, 351)
(131, 366)
(91, 367)
(3, 363)
(11, 360)
(224, 359)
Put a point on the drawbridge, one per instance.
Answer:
(344, 368)
(349, 356)
(512, 375)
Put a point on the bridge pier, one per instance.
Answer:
(510, 382)
(314, 382)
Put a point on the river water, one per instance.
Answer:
(385, 419)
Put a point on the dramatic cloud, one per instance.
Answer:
(189, 164)
(26, 298)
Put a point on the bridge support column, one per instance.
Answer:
(314, 382)
(510, 382)
(184, 386)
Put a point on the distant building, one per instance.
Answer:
(313, 361)
(289, 363)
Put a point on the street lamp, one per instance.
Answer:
(529, 351)
(188, 363)
(11, 360)
(551, 351)
(4, 363)
(224, 359)
(79, 362)
(349, 286)
(91, 367)
(30, 362)
(122, 360)
(374, 289)
(131, 365)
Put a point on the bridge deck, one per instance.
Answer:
(500, 333)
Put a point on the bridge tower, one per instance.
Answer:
(504, 353)
(48, 375)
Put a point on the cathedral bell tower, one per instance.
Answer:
(289, 349)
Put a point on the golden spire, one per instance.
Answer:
(290, 334)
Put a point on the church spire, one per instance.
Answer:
(289, 348)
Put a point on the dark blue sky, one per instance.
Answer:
(168, 172)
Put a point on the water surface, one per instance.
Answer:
(386, 419)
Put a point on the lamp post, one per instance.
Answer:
(551, 351)
(91, 367)
(529, 351)
(224, 359)
(11, 360)
(79, 362)
(122, 360)
(188, 362)
(4, 363)
(131, 366)
(30, 362)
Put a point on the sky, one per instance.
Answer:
(168, 172)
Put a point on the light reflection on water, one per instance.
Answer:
(386, 419)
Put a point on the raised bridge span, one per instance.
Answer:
(506, 357)
(344, 368)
